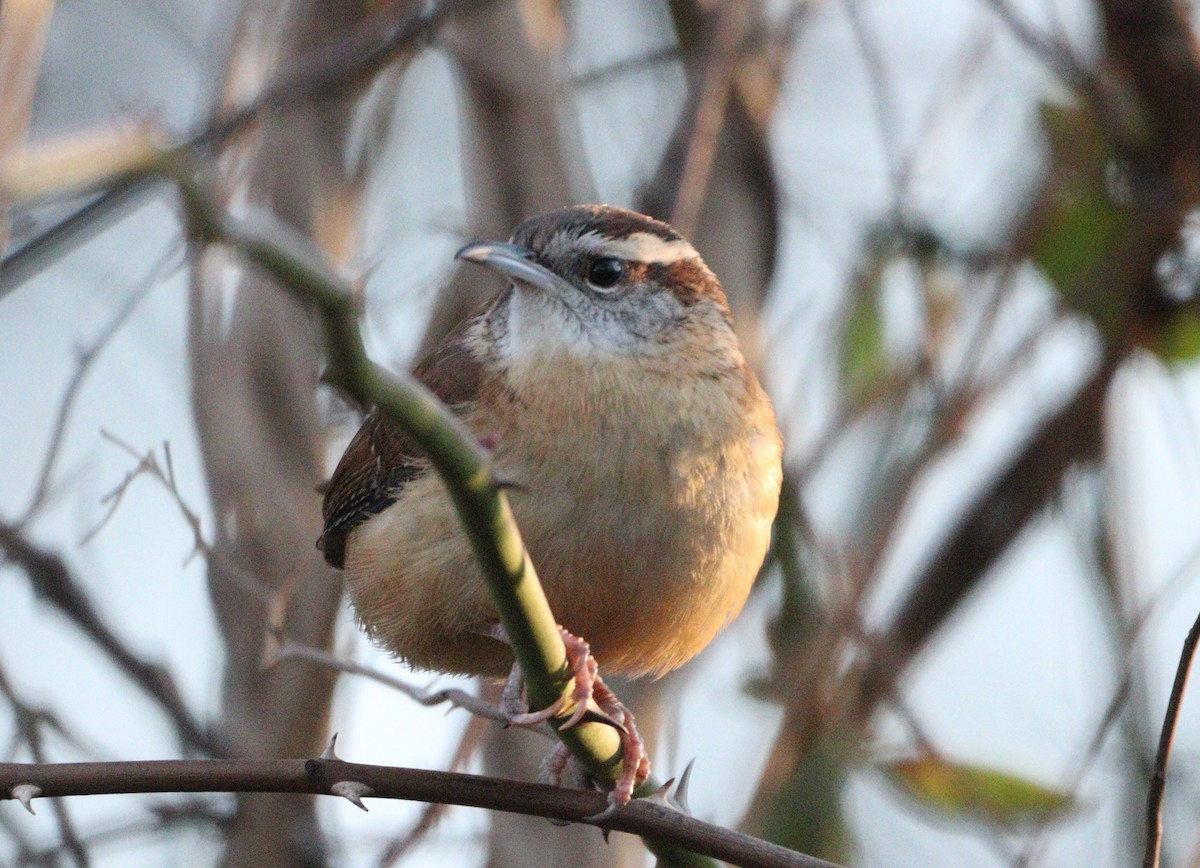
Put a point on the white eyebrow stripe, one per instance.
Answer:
(645, 247)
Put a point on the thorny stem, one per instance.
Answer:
(1158, 781)
(642, 817)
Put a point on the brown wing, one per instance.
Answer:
(381, 458)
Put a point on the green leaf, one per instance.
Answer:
(976, 792)
(1179, 340)
(863, 359)
(1081, 221)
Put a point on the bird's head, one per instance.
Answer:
(595, 280)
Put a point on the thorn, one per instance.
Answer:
(330, 752)
(604, 834)
(509, 485)
(607, 814)
(25, 794)
(352, 791)
(662, 793)
(681, 791)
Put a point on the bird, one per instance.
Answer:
(638, 449)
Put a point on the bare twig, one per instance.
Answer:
(457, 698)
(148, 464)
(641, 817)
(1158, 781)
(86, 357)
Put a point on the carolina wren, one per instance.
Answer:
(641, 451)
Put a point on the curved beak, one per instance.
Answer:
(514, 262)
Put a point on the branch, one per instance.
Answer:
(456, 698)
(335, 777)
(1158, 781)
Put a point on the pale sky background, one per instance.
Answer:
(982, 696)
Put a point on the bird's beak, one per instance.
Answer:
(515, 262)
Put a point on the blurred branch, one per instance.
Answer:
(708, 115)
(1158, 780)
(716, 171)
(331, 776)
(23, 26)
(1150, 44)
(1070, 435)
(1062, 62)
(1167, 171)
(457, 698)
(29, 721)
(52, 581)
(883, 100)
(628, 66)
(331, 70)
(163, 818)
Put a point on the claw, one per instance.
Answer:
(533, 718)
(512, 701)
(591, 715)
(576, 717)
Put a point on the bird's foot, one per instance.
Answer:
(582, 666)
(516, 709)
(589, 689)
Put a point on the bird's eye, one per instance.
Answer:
(605, 272)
